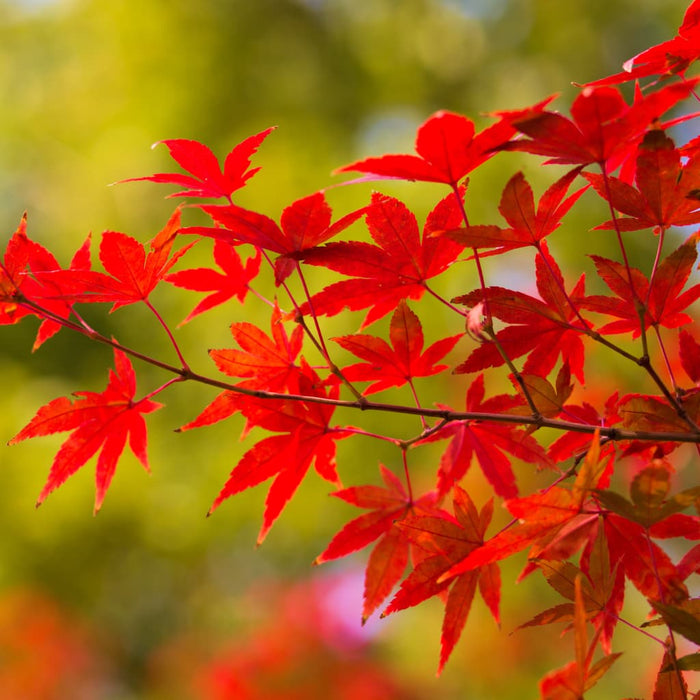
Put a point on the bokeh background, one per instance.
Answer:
(150, 599)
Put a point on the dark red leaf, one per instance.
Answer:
(665, 194)
(689, 353)
(490, 443)
(666, 303)
(604, 129)
(527, 226)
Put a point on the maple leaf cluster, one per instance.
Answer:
(580, 530)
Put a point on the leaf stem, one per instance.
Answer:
(406, 472)
(180, 356)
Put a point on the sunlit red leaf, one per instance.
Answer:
(541, 328)
(132, 272)
(99, 422)
(14, 264)
(233, 280)
(304, 224)
(387, 562)
(306, 438)
(668, 58)
(394, 365)
(264, 361)
(206, 178)
(32, 273)
(396, 267)
(448, 540)
(447, 150)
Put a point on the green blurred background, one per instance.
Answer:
(151, 593)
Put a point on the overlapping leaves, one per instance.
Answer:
(269, 386)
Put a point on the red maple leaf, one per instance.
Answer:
(304, 224)
(233, 280)
(99, 421)
(663, 305)
(445, 541)
(396, 268)
(23, 277)
(265, 362)
(447, 148)
(570, 444)
(672, 57)
(540, 517)
(543, 328)
(576, 678)
(133, 273)
(644, 563)
(394, 365)
(306, 437)
(689, 353)
(604, 129)
(45, 287)
(12, 276)
(488, 442)
(388, 506)
(667, 192)
(206, 178)
(527, 226)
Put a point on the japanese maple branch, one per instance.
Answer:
(445, 415)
